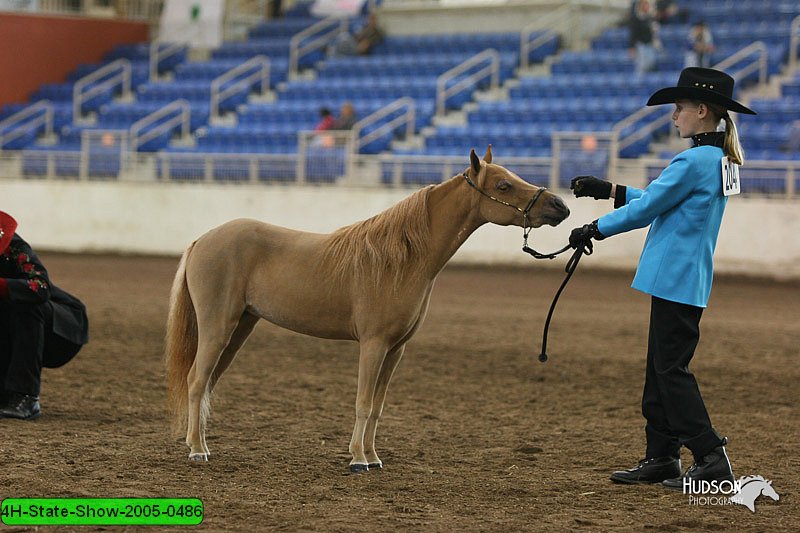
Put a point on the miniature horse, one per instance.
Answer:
(369, 282)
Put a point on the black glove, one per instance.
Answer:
(584, 235)
(591, 186)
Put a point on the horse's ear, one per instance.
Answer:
(488, 156)
(475, 162)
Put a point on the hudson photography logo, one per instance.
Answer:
(743, 491)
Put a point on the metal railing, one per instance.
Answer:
(19, 124)
(261, 74)
(138, 137)
(82, 91)
(408, 118)
(416, 170)
(329, 163)
(328, 29)
(492, 70)
(103, 153)
(160, 51)
(325, 156)
(561, 18)
(760, 65)
(794, 42)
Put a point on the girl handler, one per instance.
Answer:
(683, 208)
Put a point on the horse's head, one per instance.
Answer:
(506, 196)
(767, 490)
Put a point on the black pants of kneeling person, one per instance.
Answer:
(671, 401)
(27, 343)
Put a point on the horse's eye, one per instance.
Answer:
(503, 185)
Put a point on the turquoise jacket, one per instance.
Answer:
(683, 208)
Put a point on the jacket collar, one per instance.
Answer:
(712, 138)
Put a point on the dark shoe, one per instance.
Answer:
(653, 470)
(715, 466)
(21, 406)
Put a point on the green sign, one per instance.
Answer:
(101, 511)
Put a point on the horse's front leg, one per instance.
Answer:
(370, 361)
(390, 363)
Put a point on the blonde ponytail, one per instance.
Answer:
(732, 147)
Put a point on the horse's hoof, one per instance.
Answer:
(375, 466)
(358, 469)
(198, 457)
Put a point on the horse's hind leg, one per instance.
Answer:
(390, 363)
(240, 335)
(369, 366)
(214, 335)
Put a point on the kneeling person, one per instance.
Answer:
(40, 324)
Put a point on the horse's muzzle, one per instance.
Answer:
(554, 210)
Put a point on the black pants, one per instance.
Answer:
(27, 343)
(671, 401)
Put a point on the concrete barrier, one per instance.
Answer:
(758, 237)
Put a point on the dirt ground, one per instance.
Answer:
(477, 434)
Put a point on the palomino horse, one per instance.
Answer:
(369, 282)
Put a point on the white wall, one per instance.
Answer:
(409, 18)
(759, 236)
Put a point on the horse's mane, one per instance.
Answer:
(385, 245)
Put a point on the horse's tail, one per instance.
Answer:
(181, 343)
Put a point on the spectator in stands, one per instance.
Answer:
(700, 46)
(684, 208)
(669, 12)
(360, 43)
(644, 42)
(40, 324)
(275, 9)
(346, 118)
(326, 121)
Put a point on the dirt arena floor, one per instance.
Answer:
(477, 434)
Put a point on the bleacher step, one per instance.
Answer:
(452, 118)
(227, 120)
(47, 140)
(187, 142)
(197, 54)
(267, 98)
(413, 142)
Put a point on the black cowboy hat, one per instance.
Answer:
(704, 84)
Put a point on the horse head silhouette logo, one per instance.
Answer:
(750, 488)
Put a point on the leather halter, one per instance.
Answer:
(526, 225)
(526, 221)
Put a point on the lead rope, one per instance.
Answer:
(572, 264)
(584, 248)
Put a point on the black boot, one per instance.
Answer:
(652, 470)
(714, 466)
(21, 406)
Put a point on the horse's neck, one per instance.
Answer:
(453, 218)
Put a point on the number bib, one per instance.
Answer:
(730, 178)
